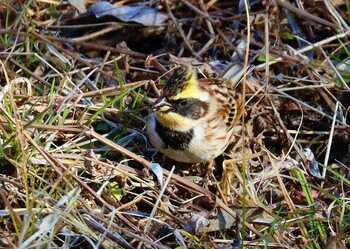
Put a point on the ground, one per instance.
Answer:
(77, 81)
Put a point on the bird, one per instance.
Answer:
(193, 120)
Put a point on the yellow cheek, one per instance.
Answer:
(175, 121)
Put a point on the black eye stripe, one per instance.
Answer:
(184, 103)
(180, 101)
(193, 108)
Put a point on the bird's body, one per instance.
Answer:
(193, 119)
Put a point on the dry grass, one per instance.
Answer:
(75, 162)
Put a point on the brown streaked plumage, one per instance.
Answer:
(193, 119)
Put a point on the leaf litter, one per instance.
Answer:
(78, 79)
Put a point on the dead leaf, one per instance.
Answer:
(141, 14)
(80, 5)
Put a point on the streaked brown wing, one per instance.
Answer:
(229, 100)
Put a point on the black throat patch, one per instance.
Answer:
(176, 140)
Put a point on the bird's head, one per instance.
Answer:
(183, 101)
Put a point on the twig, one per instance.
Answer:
(329, 145)
(172, 17)
(305, 15)
(211, 198)
(160, 195)
(72, 55)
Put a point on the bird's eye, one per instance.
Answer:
(183, 103)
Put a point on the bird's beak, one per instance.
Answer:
(161, 105)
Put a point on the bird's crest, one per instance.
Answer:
(182, 84)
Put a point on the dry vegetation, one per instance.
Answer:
(75, 162)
